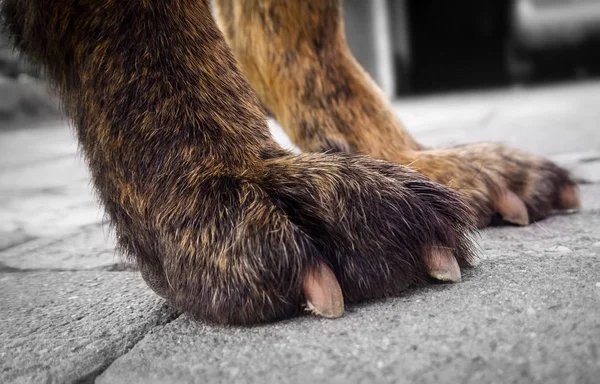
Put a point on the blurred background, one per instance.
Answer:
(427, 46)
(522, 72)
(417, 47)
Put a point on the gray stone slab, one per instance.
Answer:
(548, 120)
(529, 313)
(32, 146)
(92, 247)
(590, 197)
(9, 96)
(10, 238)
(63, 326)
(61, 172)
(48, 211)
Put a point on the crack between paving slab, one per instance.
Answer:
(24, 240)
(42, 242)
(169, 315)
(117, 267)
(591, 159)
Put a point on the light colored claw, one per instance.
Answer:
(323, 292)
(569, 197)
(512, 209)
(442, 265)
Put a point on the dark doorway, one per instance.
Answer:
(457, 44)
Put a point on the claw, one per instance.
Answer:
(323, 293)
(442, 265)
(569, 197)
(512, 209)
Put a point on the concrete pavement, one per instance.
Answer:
(71, 311)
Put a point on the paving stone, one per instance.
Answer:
(10, 238)
(49, 207)
(50, 222)
(62, 326)
(9, 97)
(45, 176)
(548, 120)
(50, 140)
(92, 247)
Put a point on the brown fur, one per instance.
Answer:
(221, 221)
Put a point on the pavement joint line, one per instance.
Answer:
(91, 376)
(25, 240)
(36, 243)
(110, 268)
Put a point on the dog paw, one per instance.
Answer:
(311, 232)
(500, 182)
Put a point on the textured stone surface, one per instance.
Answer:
(91, 248)
(9, 97)
(44, 186)
(61, 326)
